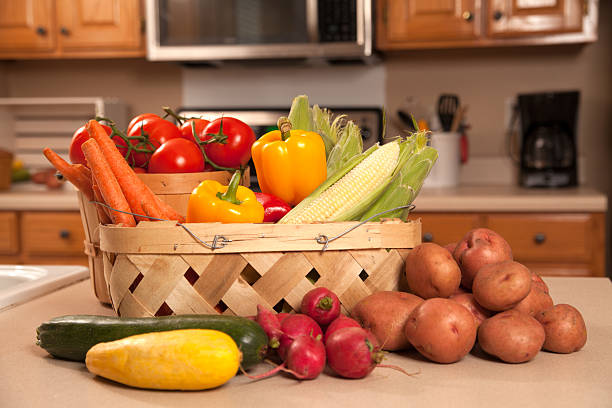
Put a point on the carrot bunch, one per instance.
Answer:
(110, 180)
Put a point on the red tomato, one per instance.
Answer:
(78, 138)
(236, 150)
(158, 131)
(177, 156)
(139, 170)
(140, 117)
(187, 131)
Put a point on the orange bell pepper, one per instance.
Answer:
(290, 164)
(211, 201)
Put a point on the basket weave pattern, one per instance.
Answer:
(234, 283)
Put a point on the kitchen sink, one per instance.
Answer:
(21, 283)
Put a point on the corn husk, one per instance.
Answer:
(407, 181)
(348, 145)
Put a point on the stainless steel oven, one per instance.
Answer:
(369, 119)
(216, 30)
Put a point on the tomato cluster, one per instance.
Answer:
(156, 145)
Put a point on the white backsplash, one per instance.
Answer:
(275, 86)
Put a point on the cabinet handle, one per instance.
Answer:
(427, 237)
(539, 238)
(467, 16)
(42, 31)
(64, 234)
(497, 15)
(64, 31)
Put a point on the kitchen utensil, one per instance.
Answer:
(457, 126)
(447, 107)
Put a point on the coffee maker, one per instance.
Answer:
(548, 138)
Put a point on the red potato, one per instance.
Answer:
(385, 314)
(564, 328)
(537, 281)
(431, 271)
(441, 330)
(467, 299)
(480, 247)
(512, 336)
(353, 352)
(293, 326)
(501, 286)
(450, 247)
(535, 302)
(281, 316)
(321, 304)
(269, 322)
(340, 322)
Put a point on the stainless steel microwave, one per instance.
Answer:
(217, 30)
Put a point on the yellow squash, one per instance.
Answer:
(191, 359)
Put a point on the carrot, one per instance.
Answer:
(106, 181)
(103, 212)
(133, 188)
(72, 174)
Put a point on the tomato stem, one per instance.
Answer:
(169, 112)
(200, 144)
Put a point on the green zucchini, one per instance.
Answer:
(70, 337)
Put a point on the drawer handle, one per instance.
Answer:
(539, 238)
(428, 237)
(64, 234)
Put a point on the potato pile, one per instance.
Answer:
(468, 292)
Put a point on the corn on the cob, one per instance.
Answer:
(350, 195)
(407, 180)
(349, 144)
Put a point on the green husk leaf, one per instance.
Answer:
(406, 182)
(349, 144)
(300, 114)
(355, 160)
(326, 127)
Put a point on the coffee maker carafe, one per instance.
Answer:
(548, 139)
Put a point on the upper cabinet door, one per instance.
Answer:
(515, 18)
(415, 21)
(26, 25)
(89, 24)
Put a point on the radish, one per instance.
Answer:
(305, 359)
(269, 322)
(353, 352)
(322, 305)
(293, 326)
(340, 322)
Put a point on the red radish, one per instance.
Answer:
(340, 322)
(293, 326)
(269, 322)
(353, 352)
(305, 359)
(322, 305)
(281, 316)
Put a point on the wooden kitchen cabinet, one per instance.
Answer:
(71, 29)
(418, 24)
(42, 237)
(563, 244)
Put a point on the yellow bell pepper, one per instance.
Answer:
(211, 201)
(290, 164)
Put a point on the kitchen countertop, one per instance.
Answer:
(25, 196)
(31, 378)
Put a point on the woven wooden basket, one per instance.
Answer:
(172, 188)
(160, 268)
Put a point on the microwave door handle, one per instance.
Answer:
(312, 21)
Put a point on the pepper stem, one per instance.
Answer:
(284, 126)
(232, 188)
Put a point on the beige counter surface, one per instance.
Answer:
(30, 378)
(456, 199)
